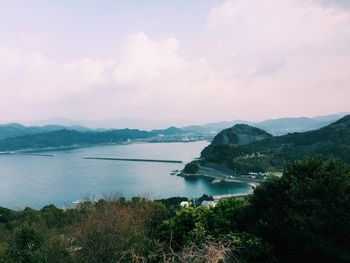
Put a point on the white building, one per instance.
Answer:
(185, 204)
(208, 203)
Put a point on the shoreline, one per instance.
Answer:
(223, 177)
(78, 146)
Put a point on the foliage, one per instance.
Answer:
(172, 203)
(220, 226)
(271, 153)
(239, 134)
(68, 137)
(306, 213)
(119, 231)
(25, 246)
(191, 168)
(7, 215)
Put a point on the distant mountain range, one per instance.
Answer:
(110, 123)
(265, 152)
(15, 129)
(274, 126)
(15, 136)
(279, 126)
(68, 138)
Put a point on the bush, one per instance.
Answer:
(119, 231)
(191, 168)
(306, 213)
(25, 246)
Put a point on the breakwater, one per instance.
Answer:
(27, 153)
(132, 160)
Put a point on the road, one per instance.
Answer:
(213, 173)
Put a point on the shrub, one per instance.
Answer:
(306, 213)
(191, 168)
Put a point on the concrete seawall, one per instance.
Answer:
(132, 160)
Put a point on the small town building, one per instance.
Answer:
(185, 204)
(208, 203)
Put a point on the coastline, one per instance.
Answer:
(78, 146)
(222, 177)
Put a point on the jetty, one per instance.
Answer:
(132, 160)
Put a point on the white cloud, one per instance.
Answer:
(142, 58)
(150, 76)
(259, 59)
(292, 51)
(257, 30)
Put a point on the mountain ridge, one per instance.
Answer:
(67, 137)
(239, 134)
(189, 133)
(332, 141)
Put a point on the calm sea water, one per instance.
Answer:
(36, 181)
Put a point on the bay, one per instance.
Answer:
(36, 181)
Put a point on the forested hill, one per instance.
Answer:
(332, 141)
(239, 134)
(16, 129)
(63, 138)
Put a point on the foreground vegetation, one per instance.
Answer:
(304, 216)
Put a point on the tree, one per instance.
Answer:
(191, 168)
(26, 246)
(306, 213)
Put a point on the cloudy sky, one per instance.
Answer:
(179, 62)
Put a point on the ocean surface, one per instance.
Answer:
(36, 181)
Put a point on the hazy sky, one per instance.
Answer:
(181, 61)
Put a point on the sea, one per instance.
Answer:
(61, 177)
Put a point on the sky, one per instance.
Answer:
(175, 62)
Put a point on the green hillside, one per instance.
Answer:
(15, 129)
(62, 138)
(240, 134)
(332, 141)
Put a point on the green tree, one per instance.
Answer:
(188, 225)
(191, 168)
(229, 216)
(306, 213)
(25, 246)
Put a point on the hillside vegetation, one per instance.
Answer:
(239, 134)
(62, 138)
(14, 137)
(269, 154)
(15, 129)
